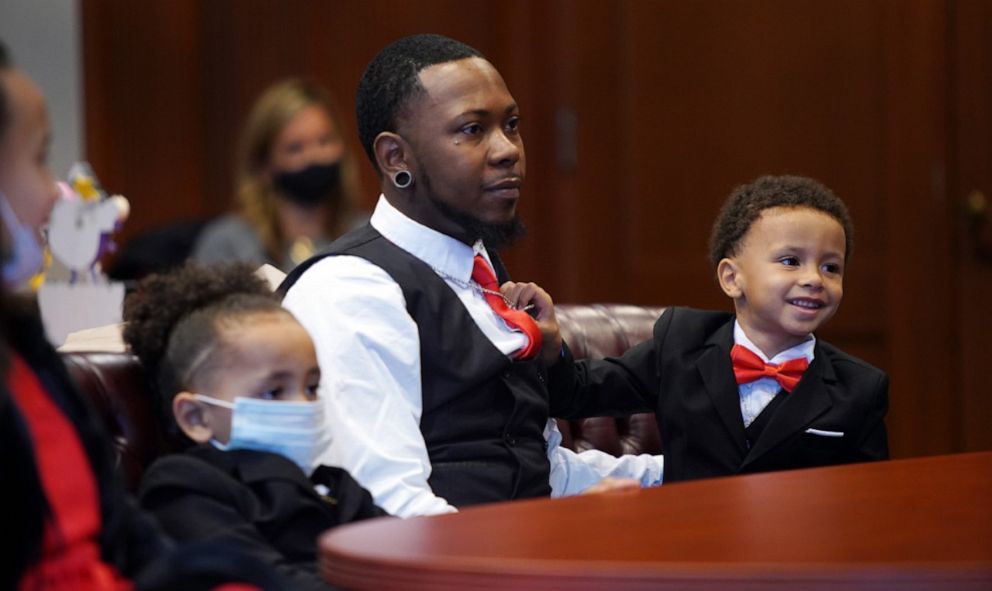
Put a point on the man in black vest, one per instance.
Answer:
(434, 400)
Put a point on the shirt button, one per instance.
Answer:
(510, 440)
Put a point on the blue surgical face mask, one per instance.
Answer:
(25, 256)
(294, 430)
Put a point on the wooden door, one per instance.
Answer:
(970, 188)
(672, 104)
(639, 118)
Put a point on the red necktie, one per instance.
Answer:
(517, 319)
(748, 367)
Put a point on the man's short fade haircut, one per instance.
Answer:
(748, 201)
(391, 80)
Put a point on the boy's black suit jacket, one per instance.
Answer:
(684, 375)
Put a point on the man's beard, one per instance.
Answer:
(494, 235)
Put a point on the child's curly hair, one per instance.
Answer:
(747, 201)
(174, 322)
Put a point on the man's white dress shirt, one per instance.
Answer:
(368, 348)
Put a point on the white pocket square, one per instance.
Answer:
(822, 433)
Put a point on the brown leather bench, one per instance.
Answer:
(594, 331)
(120, 391)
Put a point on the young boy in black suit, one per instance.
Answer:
(732, 392)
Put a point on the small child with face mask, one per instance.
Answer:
(238, 377)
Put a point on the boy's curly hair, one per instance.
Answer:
(174, 322)
(748, 201)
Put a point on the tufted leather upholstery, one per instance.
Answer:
(606, 330)
(120, 393)
(121, 397)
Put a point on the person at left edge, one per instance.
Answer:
(297, 183)
(68, 523)
(87, 535)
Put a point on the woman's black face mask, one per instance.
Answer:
(309, 186)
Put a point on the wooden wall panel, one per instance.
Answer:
(639, 118)
(917, 277)
(143, 105)
(169, 83)
(718, 96)
(971, 174)
(677, 103)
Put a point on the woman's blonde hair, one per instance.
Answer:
(256, 196)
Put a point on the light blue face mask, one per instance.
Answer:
(25, 256)
(295, 430)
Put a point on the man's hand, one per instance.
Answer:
(522, 295)
(612, 484)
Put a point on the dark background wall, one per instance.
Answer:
(639, 118)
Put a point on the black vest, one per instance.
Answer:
(483, 415)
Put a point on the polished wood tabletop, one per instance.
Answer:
(922, 523)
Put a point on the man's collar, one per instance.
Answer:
(442, 252)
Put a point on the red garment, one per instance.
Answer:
(748, 367)
(518, 319)
(70, 552)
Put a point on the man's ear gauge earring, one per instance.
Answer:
(402, 179)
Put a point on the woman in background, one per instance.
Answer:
(297, 183)
(67, 521)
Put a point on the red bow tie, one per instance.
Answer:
(748, 367)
